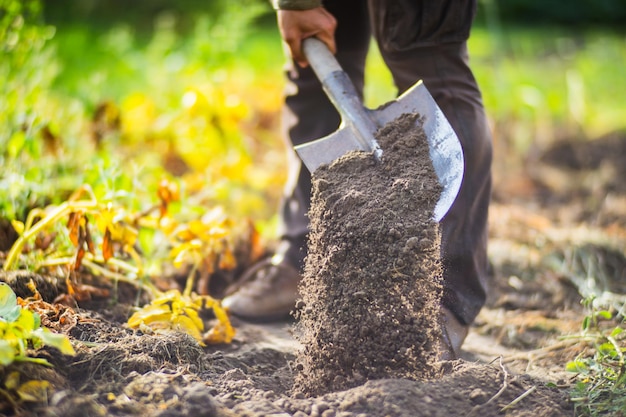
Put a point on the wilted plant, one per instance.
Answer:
(111, 250)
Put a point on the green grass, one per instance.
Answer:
(551, 76)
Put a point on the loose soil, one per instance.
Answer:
(543, 240)
(372, 283)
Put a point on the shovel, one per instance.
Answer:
(359, 125)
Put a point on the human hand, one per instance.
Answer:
(297, 25)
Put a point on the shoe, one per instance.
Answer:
(266, 292)
(453, 334)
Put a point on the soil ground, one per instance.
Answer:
(549, 224)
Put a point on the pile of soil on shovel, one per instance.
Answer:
(372, 283)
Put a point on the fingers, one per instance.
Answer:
(297, 25)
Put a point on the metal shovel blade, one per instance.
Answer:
(359, 125)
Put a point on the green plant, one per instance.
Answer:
(600, 389)
(21, 329)
(26, 69)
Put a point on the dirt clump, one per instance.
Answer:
(372, 283)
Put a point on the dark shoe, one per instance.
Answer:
(453, 335)
(266, 292)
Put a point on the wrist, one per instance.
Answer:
(296, 4)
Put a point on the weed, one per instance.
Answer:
(600, 389)
(20, 331)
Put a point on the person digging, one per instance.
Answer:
(418, 40)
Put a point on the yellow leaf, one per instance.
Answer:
(105, 218)
(193, 316)
(12, 380)
(189, 251)
(184, 233)
(167, 224)
(188, 326)
(223, 331)
(34, 391)
(18, 226)
(167, 297)
(149, 315)
(220, 333)
(197, 227)
(123, 233)
(28, 321)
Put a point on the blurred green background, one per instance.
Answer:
(120, 94)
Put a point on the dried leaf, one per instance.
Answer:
(187, 325)
(168, 192)
(107, 246)
(227, 260)
(73, 226)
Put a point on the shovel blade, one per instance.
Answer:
(444, 147)
(327, 149)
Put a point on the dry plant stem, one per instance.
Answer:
(520, 398)
(505, 385)
(62, 210)
(191, 280)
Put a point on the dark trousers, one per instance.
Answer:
(418, 40)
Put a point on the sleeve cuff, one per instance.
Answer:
(296, 4)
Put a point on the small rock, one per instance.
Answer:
(478, 396)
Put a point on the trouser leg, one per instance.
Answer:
(309, 115)
(446, 74)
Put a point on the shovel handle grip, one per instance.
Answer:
(342, 93)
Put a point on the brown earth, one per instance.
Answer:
(372, 281)
(550, 226)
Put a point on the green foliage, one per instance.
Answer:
(26, 68)
(548, 83)
(21, 329)
(600, 389)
